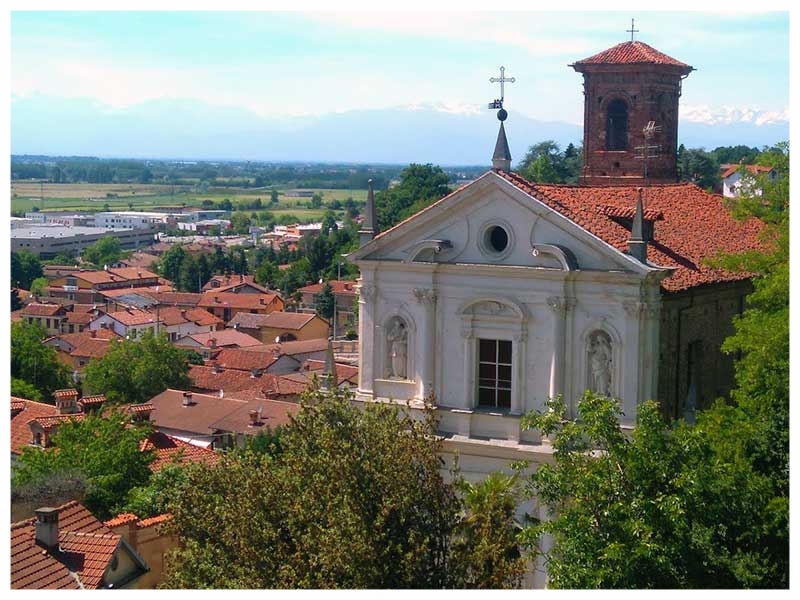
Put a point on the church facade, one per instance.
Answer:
(506, 292)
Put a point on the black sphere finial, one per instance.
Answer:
(502, 115)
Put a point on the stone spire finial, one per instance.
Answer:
(369, 226)
(637, 245)
(502, 155)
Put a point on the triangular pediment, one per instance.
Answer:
(493, 221)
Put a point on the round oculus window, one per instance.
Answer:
(496, 239)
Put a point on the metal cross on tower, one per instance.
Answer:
(501, 80)
(632, 30)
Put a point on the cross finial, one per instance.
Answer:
(501, 80)
(632, 30)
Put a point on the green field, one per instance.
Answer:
(94, 197)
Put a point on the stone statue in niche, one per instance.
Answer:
(397, 341)
(600, 363)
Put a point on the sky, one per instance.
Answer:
(295, 64)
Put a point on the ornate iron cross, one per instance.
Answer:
(632, 30)
(501, 80)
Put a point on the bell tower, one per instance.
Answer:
(629, 89)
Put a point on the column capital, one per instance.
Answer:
(560, 305)
(366, 291)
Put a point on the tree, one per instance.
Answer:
(384, 520)
(296, 276)
(419, 186)
(273, 196)
(487, 550)
(38, 285)
(316, 200)
(171, 262)
(35, 363)
(22, 389)
(240, 222)
(25, 267)
(135, 371)
(697, 166)
(546, 163)
(326, 302)
(267, 274)
(16, 303)
(105, 251)
(105, 450)
(151, 498)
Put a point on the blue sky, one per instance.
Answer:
(313, 63)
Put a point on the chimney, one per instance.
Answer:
(93, 333)
(187, 399)
(47, 527)
(253, 417)
(66, 401)
(183, 313)
(637, 245)
(254, 372)
(262, 300)
(215, 367)
(212, 342)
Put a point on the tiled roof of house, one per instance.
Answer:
(228, 380)
(170, 450)
(132, 317)
(95, 400)
(343, 371)
(164, 297)
(696, 225)
(84, 307)
(121, 520)
(22, 412)
(140, 259)
(170, 413)
(132, 273)
(87, 547)
(215, 299)
(35, 309)
(244, 359)
(224, 337)
(753, 169)
(175, 315)
(631, 53)
(297, 347)
(48, 422)
(224, 283)
(339, 287)
(276, 319)
(273, 414)
(79, 318)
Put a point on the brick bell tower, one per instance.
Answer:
(625, 88)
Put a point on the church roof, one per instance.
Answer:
(691, 225)
(631, 53)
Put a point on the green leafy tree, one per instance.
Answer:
(151, 498)
(316, 201)
(384, 520)
(666, 507)
(296, 276)
(189, 277)
(38, 286)
(273, 196)
(106, 450)
(171, 262)
(268, 274)
(35, 363)
(105, 251)
(22, 389)
(135, 371)
(325, 302)
(240, 222)
(486, 549)
(419, 186)
(697, 166)
(25, 267)
(546, 163)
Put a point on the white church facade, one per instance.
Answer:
(506, 293)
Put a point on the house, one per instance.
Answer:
(211, 342)
(344, 293)
(737, 179)
(237, 284)
(76, 349)
(50, 316)
(215, 421)
(279, 326)
(149, 539)
(130, 323)
(179, 322)
(66, 547)
(86, 285)
(226, 305)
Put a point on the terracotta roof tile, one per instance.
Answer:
(139, 408)
(91, 348)
(22, 412)
(133, 317)
(228, 380)
(273, 414)
(80, 318)
(753, 169)
(277, 319)
(87, 548)
(244, 359)
(340, 288)
(215, 299)
(170, 413)
(121, 520)
(631, 53)
(66, 393)
(48, 422)
(170, 450)
(96, 400)
(696, 225)
(175, 315)
(223, 337)
(44, 310)
(158, 519)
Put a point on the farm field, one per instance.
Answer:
(98, 197)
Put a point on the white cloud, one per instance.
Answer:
(726, 115)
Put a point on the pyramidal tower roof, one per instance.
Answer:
(501, 159)
(631, 53)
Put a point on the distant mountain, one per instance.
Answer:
(194, 130)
